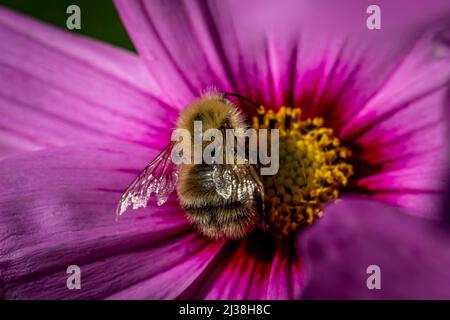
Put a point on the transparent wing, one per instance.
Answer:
(238, 182)
(159, 176)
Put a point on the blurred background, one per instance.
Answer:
(99, 18)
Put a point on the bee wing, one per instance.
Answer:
(159, 176)
(237, 181)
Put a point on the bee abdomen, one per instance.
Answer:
(232, 220)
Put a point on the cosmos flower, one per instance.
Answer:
(81, 118)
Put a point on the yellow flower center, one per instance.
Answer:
(313, 168)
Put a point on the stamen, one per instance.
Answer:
(314, 167)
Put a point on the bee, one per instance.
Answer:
(220, 200)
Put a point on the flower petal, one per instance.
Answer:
(255, 268)
(276, 53)
(412, 254)
(57, 209)
(402, 130)
(57, 88)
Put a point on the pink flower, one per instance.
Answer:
(81, 118)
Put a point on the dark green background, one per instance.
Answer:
(99, 18)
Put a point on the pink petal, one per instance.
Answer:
(412, 254)
(57, 89)
(414, 93)
(258, 267)
(182, 63)
(57, 209)
(174, 281)
(421, 204)
(295, 52)
(402, 131)
(408, 110)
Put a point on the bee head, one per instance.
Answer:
(213, 112)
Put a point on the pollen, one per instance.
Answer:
(314, 168)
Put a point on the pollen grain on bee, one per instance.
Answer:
(227, 146)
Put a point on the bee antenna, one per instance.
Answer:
(237, 95)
